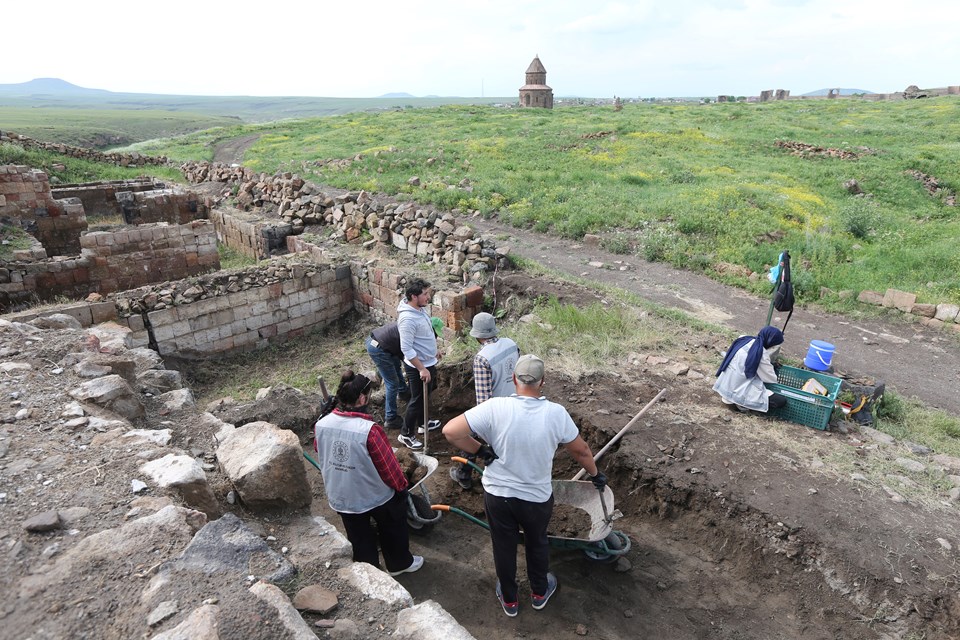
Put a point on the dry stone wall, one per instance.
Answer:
(26, 201)
(357, 217)
(119, 159)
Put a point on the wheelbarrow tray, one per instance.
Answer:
(429, 462)
(584, 495)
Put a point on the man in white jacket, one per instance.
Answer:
(418, 343)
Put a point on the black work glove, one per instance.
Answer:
(486, 455)
(599, 480)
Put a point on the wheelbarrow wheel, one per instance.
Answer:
(423, 510)
(614, 542)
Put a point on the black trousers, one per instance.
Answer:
(507, 516)
(776, 401)
(391, 532)
(413, 418)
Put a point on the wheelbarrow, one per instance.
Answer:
(601, 542)
(420, 517)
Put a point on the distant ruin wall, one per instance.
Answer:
(26, 201)
(119, 159)
(100, 198)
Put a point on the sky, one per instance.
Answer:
(590, 48)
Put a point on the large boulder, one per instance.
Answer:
(227, 546)
(184, 475)
(282, 405)
(110, 392)
(265, 464)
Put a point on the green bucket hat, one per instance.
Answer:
(437, 324)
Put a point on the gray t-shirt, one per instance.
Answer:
(525, 432)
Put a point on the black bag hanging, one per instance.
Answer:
(783, 293)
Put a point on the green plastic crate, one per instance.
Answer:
(804, 408)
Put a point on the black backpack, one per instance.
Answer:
(783, 290)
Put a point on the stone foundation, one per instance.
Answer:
(100, 198)
(112, 261)
(26, 201)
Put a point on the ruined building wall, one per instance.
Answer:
(111, 262)
(135, 257)
(358, 217)
(290, 296)
(239, 311)
(100, 198)
(26, 201)
(247, 238)
(161, 205)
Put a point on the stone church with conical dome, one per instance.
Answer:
(536, 93)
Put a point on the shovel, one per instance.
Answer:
(426, 416)
(620, 433)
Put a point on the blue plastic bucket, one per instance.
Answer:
(819, 356)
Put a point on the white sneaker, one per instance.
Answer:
(410, 442)
(414, 566)
(433, 424)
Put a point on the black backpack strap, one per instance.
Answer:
(787, 321)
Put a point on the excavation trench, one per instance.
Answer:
(703, 562)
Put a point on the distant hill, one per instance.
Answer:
(46, 86)
(843, 92)
(399, 94)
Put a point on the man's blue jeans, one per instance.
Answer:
(390, 368)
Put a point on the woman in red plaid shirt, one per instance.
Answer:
(363, 480)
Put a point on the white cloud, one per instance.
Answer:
(367, 48)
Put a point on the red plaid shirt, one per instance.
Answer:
(381, 453)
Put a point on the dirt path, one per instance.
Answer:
(231, 152)
(912, 359)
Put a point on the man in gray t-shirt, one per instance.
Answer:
(523, 432)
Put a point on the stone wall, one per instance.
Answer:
(944, 315)
(119, 159)
(293, 294)
(358, 217)
(135, 257)
(237, 311)
(377, 291)
(174, 206)
(26, 201)
(100, 198)
(109, 262)
(246, 237)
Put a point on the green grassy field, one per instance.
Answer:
(102, 128)
(103, 119)
(694, 185)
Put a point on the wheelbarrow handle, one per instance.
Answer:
(472, 464)
(619, 435)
